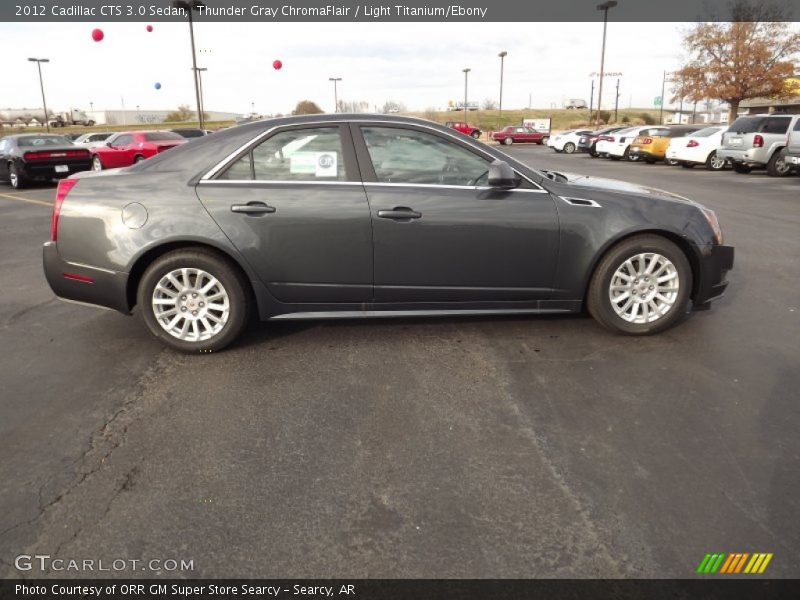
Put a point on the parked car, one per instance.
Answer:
(651, 146)
(698, 148)
(588, 143)
(758, 141)
(425, 222)
(130, 147)
(92, 140)
(793, 146)
(567, 141)
(464, 128)
(514, 134)
(191, 132)
(40, 157)
(617, 146)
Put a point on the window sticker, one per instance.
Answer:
(320, 164)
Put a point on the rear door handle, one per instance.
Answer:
(253, 208)
(399, 213)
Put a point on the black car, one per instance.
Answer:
(344, 216)
(40, 157)
(588, 143)
(190, 132)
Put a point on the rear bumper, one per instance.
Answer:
(644, 154)
(48, 171)
(715, 262)
(793, 158)
(754, 157)
(83, 283)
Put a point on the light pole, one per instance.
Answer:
(189, 6)
(199, 71)
(335, 80)
(502, 56)
(604, 7)
(39, 62)
(466, 75)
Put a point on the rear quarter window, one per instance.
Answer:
(777, 125)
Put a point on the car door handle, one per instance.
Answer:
(399, 213)
(253, 208)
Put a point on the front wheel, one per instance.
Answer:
(641, 286)
(476, 134)
(714, 162)
(97, 164)
(193, 300)
(569, 148)
(508, 141)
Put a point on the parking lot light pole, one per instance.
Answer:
(39, 62)
(199, 71)
(605, 6)
(189, 6)
(466, 75)
(502, 56)
(335, 81)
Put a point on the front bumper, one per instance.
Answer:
(715, 262)
(84, 283)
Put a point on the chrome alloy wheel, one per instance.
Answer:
(644, 288)
(191, 305)
(717, 163)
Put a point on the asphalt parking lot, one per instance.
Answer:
(511, 447)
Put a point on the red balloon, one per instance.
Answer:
(276, 64)
(149, 28)
(97, 35)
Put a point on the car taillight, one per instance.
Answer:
(692, 144)
(64, 186)
(55, 154)
(758, 141)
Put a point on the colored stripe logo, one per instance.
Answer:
(735, 563)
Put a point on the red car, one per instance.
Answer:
(464, 128)
(130, 147)
(514, 134)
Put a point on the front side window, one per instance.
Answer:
(409, 156)
(310, 154)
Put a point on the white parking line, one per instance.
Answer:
(21, 199)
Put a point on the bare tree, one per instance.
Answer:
(354, 106)
(489, 104)
(307, 107)
(750, 57)
(390, 106)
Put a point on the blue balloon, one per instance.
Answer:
(158, 86)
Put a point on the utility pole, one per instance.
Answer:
(466, 74)
(605, 6)
(39, 62)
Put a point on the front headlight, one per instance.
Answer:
(711, 217)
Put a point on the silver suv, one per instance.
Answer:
(758, 141)
(793, 145)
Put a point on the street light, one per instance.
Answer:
(39, 62)
(189, 6)
(199, 71)
(502, 56)
(604, 7)
(466, 75)
(335, 80)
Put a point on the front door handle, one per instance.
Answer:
(253, 208)
(399, 213)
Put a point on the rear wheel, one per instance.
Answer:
(687, 165)
(740, 168)
(476, 134)
(569, 148)
(545, 139)
(15, 179)
(193, 300)
(138, 158)
(714, 162)
(777, 165)
(641, 286)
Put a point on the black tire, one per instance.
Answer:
(712, 164)
(476, 134)
(599, 303)
(232, 280)
(137, 159)
(569, 148)
(740, 168)
(672, 162)
(627, 154)
(16, 180)
(544, 140)
(508, 141)
(777, 165)
(687, 165)
(650, 161)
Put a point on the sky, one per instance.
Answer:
(419, 65)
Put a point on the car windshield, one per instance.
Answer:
(707, 132)
(34, 141)
(161, 136)
(760, 125)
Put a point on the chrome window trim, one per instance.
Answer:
(253, 142)
(454, 187)
(275, 182)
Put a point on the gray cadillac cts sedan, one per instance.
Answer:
(337, 216)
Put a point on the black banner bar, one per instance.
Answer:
(399, 11)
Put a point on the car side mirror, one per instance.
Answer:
(109, 144)
(502, 176)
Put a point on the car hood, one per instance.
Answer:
(615, 185)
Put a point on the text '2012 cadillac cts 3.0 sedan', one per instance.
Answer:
(368, 216)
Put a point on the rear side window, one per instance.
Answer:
(310, 154)
(777, 124)
(162, 136)
(797, 125)
(707, 132)
(122, 140)
(760, 125)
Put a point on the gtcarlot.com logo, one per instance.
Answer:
(735, 563)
